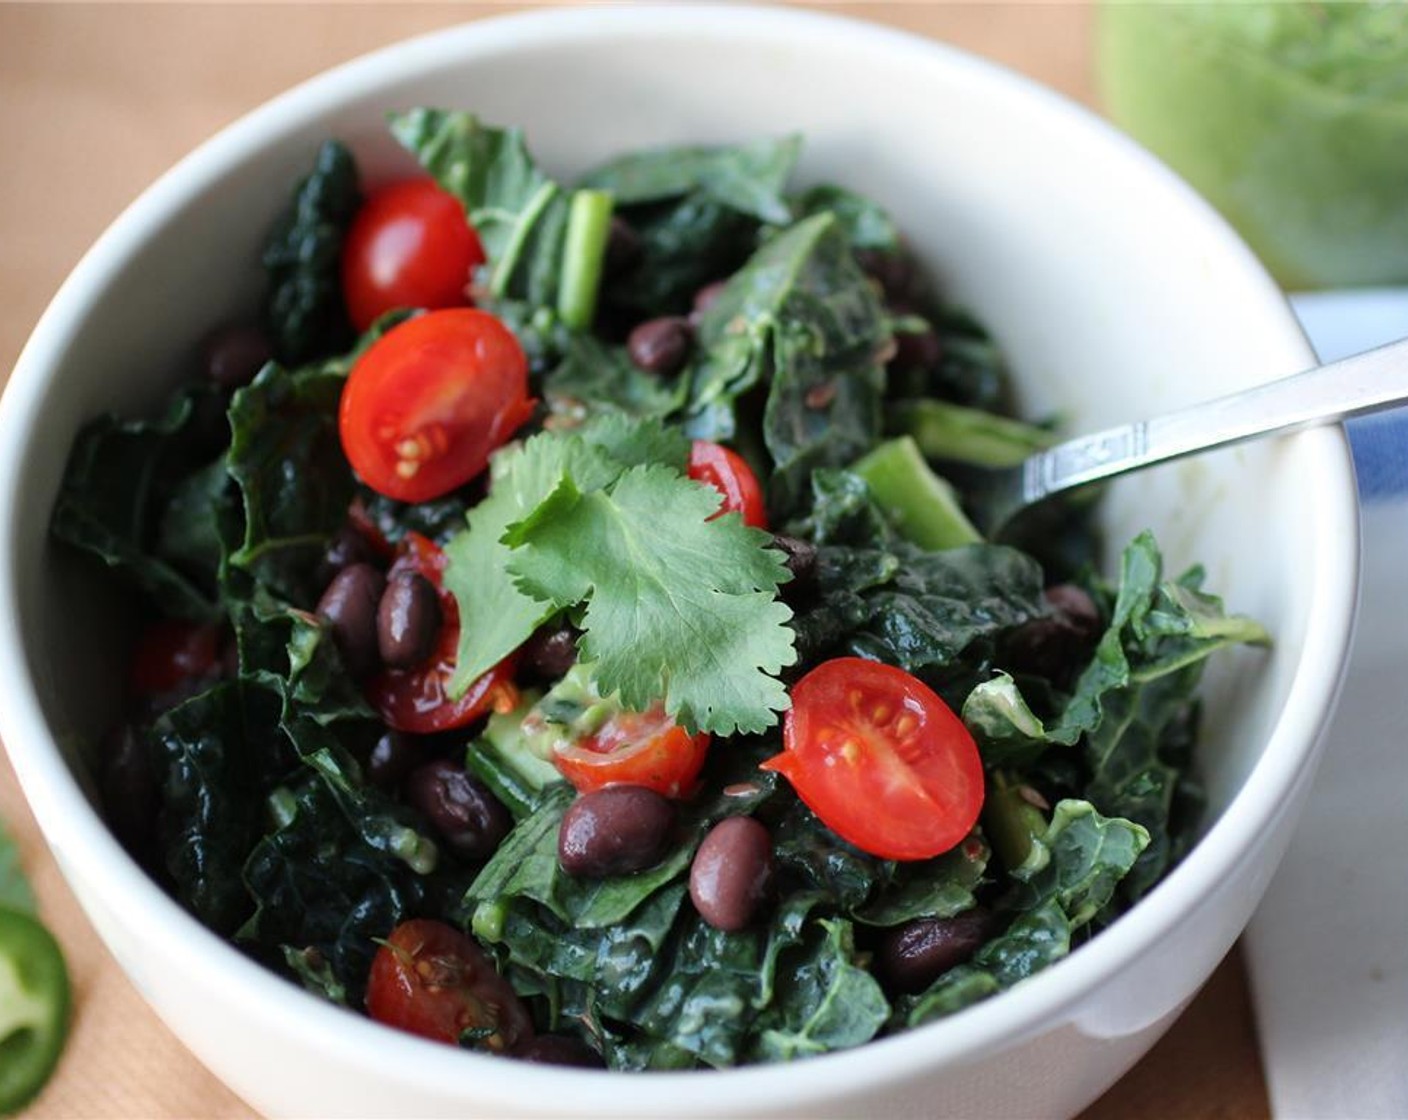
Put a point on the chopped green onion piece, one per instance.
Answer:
(922, 505)
(588, 224)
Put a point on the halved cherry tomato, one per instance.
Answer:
(415, 700)
(171, 652)
(732, 477)
(434, 981)
(410, 245)
(428, 401)
(880, 759)
(635, 748)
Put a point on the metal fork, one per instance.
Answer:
(1367, 382)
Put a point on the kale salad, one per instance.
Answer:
(565, 631)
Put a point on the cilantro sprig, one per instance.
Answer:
(602, 521)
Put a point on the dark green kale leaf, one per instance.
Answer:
(888, 600)
(211, 755)
(866, 888)
(286, 456)
(1071, 876)
(711, 988)
(345, 862)
(593, 377)
(317, 885)
(867, 224)
(748, 178)
(1131, 707)
(836, 871)
(683, 244)
(802, 319)
(970, 371)
(303, 309)
(545, 244)
(826, 1000)
(842, 512)
(792, 988)
(438, 519)
(115, 496)
(323, 716)
(200, 515)
(290, 653)
(933, 888)
(940, 603)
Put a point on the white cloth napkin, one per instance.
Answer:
(1328, 949)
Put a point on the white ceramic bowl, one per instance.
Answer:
(1115, 292)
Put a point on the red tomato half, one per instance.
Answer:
(172, 651)
(727, 473)
(880, 759)
(410, 245)
(432, 980)
(635, 748)
(416, 700)
(428, 401)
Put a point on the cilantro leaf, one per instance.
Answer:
(496, 617)
(678, 606)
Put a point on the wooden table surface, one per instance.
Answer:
(96, 102)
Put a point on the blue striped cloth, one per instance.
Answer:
(1346, 322)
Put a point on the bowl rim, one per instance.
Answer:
(80, 839)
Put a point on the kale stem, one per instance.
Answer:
(587, 227)
(503, 267)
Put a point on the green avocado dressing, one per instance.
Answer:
(1291, 118)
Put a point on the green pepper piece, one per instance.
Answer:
(34, 1006)
(923, 506)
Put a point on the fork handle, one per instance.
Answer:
(1367, 382)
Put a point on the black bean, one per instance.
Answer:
(129, 789)
(551, 651)
(407, 620)
(469, 818)
(391, 759)
(344, 548)
(614, 831)
(731, 873)
(661, 345)
(801, 560)
(350, 607)
(558, 1050)
(914, 955)
(623, 247)
(1059, 643)
(917, 349)
(1076, 606)
(892, 269)
(233, 355)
